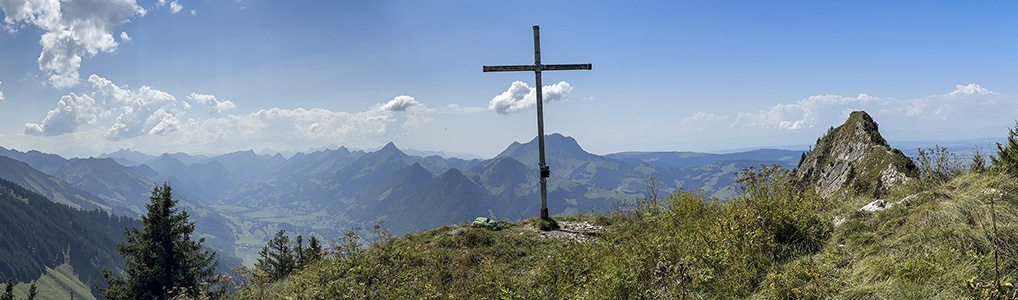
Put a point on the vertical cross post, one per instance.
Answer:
(540, 123)
(537, 67)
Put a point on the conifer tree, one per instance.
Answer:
(9, 291)
(32, 292)
(313, 252)
(299, 252)
(277, 259)
(1006, 160)
(162, 259)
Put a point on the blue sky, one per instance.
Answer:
(84, 77)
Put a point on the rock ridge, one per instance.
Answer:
(854, 158)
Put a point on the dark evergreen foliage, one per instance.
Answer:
(313, 252)
(32, 292)
(277, 259)
(1006, 160)
(8, 291)
(978, 164)
(36, 233)
(162, 259)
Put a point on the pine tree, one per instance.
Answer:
(313, 252)
(277, 259)
(161, 258)
(299, 252)
(1006, 160)
(9, 291)
(32, 292)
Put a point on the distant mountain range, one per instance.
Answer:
(238, 200)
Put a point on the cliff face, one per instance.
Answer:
(854, 158)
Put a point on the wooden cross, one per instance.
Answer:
(537, 67)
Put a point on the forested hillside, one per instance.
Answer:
(36, 233)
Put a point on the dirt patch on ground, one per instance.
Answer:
(577, 231)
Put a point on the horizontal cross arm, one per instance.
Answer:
(510, 68)
(566, 67)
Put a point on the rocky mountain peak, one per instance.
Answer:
(854, 158)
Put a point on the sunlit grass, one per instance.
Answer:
(776, 240)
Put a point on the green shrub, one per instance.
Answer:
(937, 165)
(978, 164)
(1006, 160)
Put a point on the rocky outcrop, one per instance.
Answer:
(854, 158)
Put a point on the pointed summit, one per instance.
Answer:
(389, 148)
(854, 158)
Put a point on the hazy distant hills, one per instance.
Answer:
(238, 200)
(92, 183)
(51, 187)
(788, 158)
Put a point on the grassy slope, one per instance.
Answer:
(773, 242)
(55, 284)
(923, 249)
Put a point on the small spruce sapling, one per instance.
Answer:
(1006, 160)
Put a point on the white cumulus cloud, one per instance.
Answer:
(72, 111)
(144, 111)
(966, 107)
(521, 96)
(175, 7)
(805, 113)
(278, 126)
(400, 103)
(970, 89)
(121, 114)
(210, 101)
(194, 12)
(124, 37)
(71, 30)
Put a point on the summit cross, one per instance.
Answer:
(537, 68)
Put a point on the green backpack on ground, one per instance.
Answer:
(485, 222)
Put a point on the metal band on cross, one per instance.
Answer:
(537, 68)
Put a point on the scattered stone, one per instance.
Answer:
(877, 205)
(577, 231)
(458, 231)
(881, 204)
